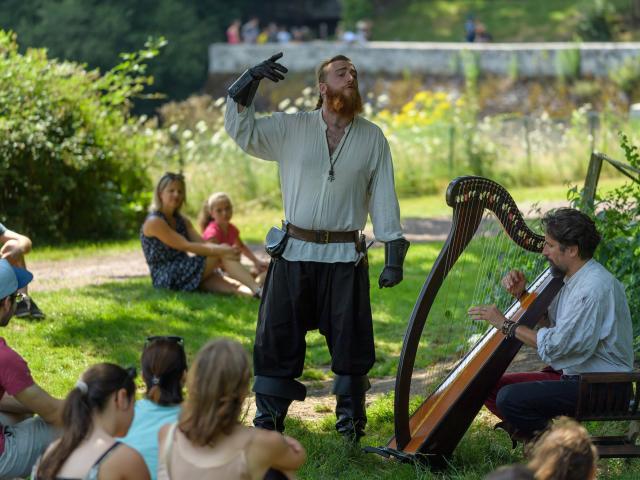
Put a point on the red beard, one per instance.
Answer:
(346, 104)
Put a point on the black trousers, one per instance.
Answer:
(529, 406)
(302, 296)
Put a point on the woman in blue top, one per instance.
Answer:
(177, 256)
(164, 369)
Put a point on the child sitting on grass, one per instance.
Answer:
(209, 440)
(216, 226)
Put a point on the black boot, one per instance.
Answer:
(351, 414)
(271, 412)
(273, 397)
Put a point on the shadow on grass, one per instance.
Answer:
(115, 318)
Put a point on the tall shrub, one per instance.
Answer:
(72, 160)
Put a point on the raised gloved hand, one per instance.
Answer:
(394, 253)
(244, 88)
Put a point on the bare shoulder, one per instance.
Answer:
(124, 463)
(154, 224)
(268, 442)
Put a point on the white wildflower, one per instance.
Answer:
(201, 126)
(284, 104)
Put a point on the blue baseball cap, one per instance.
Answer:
(12, 278)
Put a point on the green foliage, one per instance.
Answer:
(627, 77)
(355, 10)
(94, 31)
(470, 62)
(72, 163)
(567, 64)
(616, 215)
(507, 21)
(596, 23)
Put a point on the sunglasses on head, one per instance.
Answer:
(131, 372)
(167, 338)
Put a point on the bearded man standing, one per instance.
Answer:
(335, 168)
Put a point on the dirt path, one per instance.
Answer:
(78, 272)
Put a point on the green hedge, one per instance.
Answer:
(72, 161)
(617, 215)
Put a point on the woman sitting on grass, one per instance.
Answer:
(209, 442)
(168, 238)
(164, 368)
(96, 411)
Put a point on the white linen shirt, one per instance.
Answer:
(591, 325)
(363, 177)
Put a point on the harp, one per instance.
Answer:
(465, 375)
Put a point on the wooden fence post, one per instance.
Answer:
(591, 181)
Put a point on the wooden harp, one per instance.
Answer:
(434, 429)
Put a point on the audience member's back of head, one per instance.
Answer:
(217, 385)
(564, 452)
(164, 364)
(511, 472)
(89, 397)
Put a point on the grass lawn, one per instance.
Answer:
(109, 323)
(506, 20)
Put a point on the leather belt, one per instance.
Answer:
(322, 236)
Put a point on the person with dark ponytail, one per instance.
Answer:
(209, 441)
(96, 411)
(164, 369)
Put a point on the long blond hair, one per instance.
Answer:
(564, 452)
(217, 386)
(205, 212)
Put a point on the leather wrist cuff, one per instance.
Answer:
(244, 89)
(394, 252)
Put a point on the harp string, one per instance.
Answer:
(449, 332)
(443, 334)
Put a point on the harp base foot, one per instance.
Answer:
(433, 461)
(387, 452)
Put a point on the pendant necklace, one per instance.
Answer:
(332, 175)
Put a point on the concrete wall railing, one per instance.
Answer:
(447, 59)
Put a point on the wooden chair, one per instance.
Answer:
(611, 397)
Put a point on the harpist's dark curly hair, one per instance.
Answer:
(572, 227)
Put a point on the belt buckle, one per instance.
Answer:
(322, 236)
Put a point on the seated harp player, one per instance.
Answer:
(459, 360)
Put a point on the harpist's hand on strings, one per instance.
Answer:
(514, 282)
(489, 313)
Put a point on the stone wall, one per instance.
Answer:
(524, 60)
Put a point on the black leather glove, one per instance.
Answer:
(394, 253)
(244, 88)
